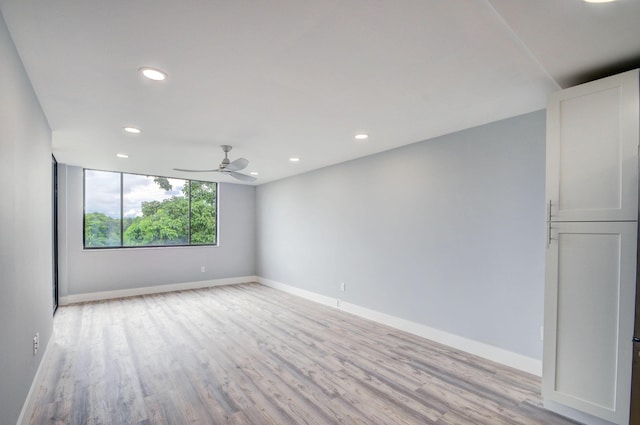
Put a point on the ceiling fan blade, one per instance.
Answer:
(242, 177)
(237, 165)
(196, 171)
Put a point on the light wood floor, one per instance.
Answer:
(248, 354)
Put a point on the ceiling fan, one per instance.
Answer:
(227, 167)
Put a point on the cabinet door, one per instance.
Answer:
(589, 309)
(592, 150)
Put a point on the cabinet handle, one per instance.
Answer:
(549, 223)
(549, 234)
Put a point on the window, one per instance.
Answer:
(132, 210)
(102, 211)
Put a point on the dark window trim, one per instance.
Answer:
(56, 280)
(121, 210)
(189, 214)
(122, 245)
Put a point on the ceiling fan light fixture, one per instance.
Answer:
(153, 74)
(132, 130)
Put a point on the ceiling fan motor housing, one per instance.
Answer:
(225, 161)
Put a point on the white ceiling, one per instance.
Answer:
(284, 78)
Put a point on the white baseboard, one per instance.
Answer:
(320, 299)
(480, 349)
(574, 414)
(32, 395)
(123, 293)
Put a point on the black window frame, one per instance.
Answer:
(122, 245)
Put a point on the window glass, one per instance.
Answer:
(203, 213)
(102, 213)
(156, 210)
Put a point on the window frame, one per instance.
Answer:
(122, 245)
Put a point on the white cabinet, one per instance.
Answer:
(589, 306)
(592, 150)
(591, 259)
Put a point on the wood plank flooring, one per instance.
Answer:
(248, 354)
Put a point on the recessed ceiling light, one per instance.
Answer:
(153, 74)
(599, 1)
(132, 130)
(294, 159)
(361, 136)
(122, 155)
(253, 173)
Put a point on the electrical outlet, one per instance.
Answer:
(343, 286)
(202, 269)
(36, 343)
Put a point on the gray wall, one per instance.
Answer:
(25, 231)
(86, 271)
(448, 233)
